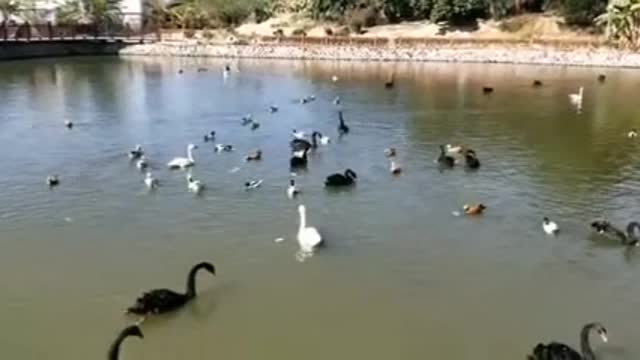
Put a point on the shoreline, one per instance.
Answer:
(467, 52)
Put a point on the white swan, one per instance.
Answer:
(308, 237)
(183, 163)
(394, 168)
(550, 227)
(292, 190)
(195, 186)
(150, 181)
(576, 99)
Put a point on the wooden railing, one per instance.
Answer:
(11, 32)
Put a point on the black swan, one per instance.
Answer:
(164, 300)
(444, 159)
(341, 180)
(114, 350)
(471, 160)
(559, 351)
(303, 144)
(342, 128)
(628, 239)
(299, 161)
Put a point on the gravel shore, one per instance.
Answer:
(540, 55)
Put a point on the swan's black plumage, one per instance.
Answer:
(471, 160)
(302, 144)
(299, 161)
(164, 300)
(389, 84)
(559, 351)
(628, 239)
(444, 159)
(346, 179)
(342, 128)
(487, 89)
(114, 350)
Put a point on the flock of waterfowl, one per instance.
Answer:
(161, 301)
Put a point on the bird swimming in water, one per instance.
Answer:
(342, 127)
(298, 161)
(338, 180)
(210, 136)
(602, 78)
(445, 160)
(273, 109)
(390, 83)
(537, 83)
(487, 89)
(223, 148)
(255, 156)
(471, 160)
(195, 186)
(292, 190)
(68, 124)
(632, 134)
(136, 153)
(550, 227)
(476, 209)
(161, 301)
(150, 181)
(114, 349)
(53, 180)
(142, 163)
(247, 119)
(394, 168)
(252, 184)
(255, 125)
(559, 351)
(390, 152)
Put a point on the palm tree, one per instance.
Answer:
(102, 13)
(622, 21)
(8, 8)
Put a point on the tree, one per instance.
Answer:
(8, 8)
(622, 21)
(98, 12)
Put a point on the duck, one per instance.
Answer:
(252, 184)
(298, 134)
(602, 78)
(255, 125)
(180, 71)
(308, 237)
(160, 301)
(471, 160)
(324, 140)
(537, 83)
(559, 351)
(394, 168)
(632, 134)
(181, 162)
(273, 109)
(342, 127)
(334, 78)
(292, 190)
(226, 71)
(142, 163)
(337, 101)
(53, 180)
(246, 120)
(445, 160)
(298, 161)
(476, 209)
(487, 89)
(455, 150)
(627, 239)
(337, 180)
(211, 136)
(390, 83)
(150, 181)
(68, 124)
(550, 227)
(136, 153)
(576, 99)
(195, 186)
(114, 349)
(254, 156)
(223, 148)
(390, 152)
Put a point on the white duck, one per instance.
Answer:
(324, 140)
(292, 190)
(142, 163)
(298, 134)
(550, 227)
(136, 153)
(576, 99)
(308, 237)
(181, 162)
(195, 186)
(150, 181)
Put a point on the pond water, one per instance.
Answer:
(401, 277)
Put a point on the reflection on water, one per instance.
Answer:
(400, 276)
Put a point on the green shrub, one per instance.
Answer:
(299, 32)
(458, 11)
(189, 33)
(207, 35)
(582, 12)
(399, 10)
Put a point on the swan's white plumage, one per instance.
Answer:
(181, 162)
(292, 190)
(195, 186)
(576, 99)
(150, 181)
(308, 237)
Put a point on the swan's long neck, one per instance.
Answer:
(303, 220)
(191, 281)
(314, 140)
(580, 92)
(190, 154)
(585, 345)
(114, 350)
